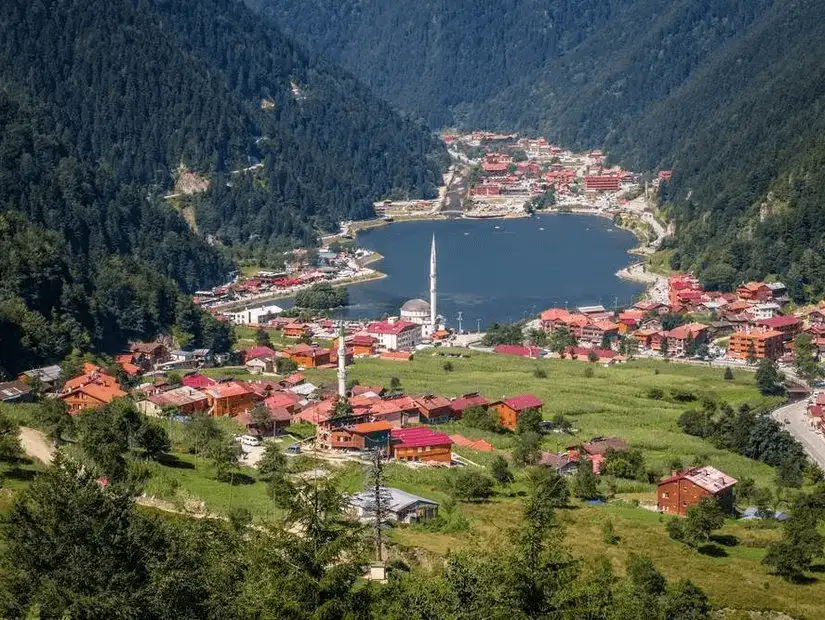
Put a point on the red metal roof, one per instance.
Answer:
(418, 436)
(385, 327)
(779, 321)
(523, 401)
(471, 400)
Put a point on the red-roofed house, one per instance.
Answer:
(283, 400)
(553, 318)
(395, 335)
(259, 351)
(460, 405)
(197, 381)
(510, 409)
(399, 411)
(420, 443)
(682, 490)
(362, 344)
(789, 326)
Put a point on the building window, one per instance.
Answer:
(420, 450)
(665, 495)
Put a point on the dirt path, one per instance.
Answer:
(36, 444)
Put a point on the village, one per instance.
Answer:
(350, 422)
(504, 175)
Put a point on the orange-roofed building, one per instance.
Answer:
(397, 356)
(756, 343)
(680, 339)
(553, 318)
(597, 331)
(398, 412)
(309, 356)
(295, 330)
(361, 344)
(230, 398)
(91, 394)
(754, 292)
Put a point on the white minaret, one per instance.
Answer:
(433, 313)
(342, 364)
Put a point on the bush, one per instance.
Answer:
(471, 486)
(500, 470)
(448, 366)
(540, 373)
(481, 418)
(322, 297)
(655, 394)
(728, 376)
(682, 396)
(588, 372)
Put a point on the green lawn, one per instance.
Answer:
(613, 402)
(735, 580)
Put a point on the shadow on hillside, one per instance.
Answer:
(170, 460)
(17, 473)
(714, 551)
(726, 540)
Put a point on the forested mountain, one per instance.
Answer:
(728, 93)
(102, 100)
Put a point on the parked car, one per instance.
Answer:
(248, 440)
(294, 448)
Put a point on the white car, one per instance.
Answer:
(248, 440)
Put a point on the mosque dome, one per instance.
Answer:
(415, 307)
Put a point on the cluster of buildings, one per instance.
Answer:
(301, 272)
(751, 318)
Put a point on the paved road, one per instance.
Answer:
(813, 442)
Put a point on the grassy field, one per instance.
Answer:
(613, 402)
(732, 575)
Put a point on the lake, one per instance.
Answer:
(497, 270)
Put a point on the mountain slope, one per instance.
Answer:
(102, 100)
(728, 93)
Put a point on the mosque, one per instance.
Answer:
(423, 313)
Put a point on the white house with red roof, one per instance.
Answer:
(395, 335)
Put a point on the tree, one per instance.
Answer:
(395, 384)
(322, 296)
(728, 376)
(537, 337)
(154, 440)
(53, 418)
(174, 378)
(10, 449)
(200, 433)
(285, 365)
(471, 486)
(560, 339)
(767, 378)
(629, 464)
(377, 506)
(224, 455)
(481, 418)
(500, 470)
(503, 334)
(547, 488)
(448, 366)
(527, 450)
(699, 522)
(804, 360)
(259, 416)
(686, 601)
(592, 357)
(585, 485)
(262, 338)
(272, 469)
(530, 421)
(792, 556)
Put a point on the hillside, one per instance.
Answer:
(102, 101)
(729, 94)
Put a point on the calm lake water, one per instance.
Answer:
(497, 270)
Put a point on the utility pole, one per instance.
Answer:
(478, 326)
(460, 319)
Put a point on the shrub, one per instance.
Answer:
(728, 376)
(540, 373)
(655, 394)
(448, 366)
(472, 486)
(682, 396)
(588, 372)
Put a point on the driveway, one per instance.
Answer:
(797, 416)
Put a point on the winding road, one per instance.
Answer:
(797, 417)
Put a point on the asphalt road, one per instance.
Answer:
(813, 442)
